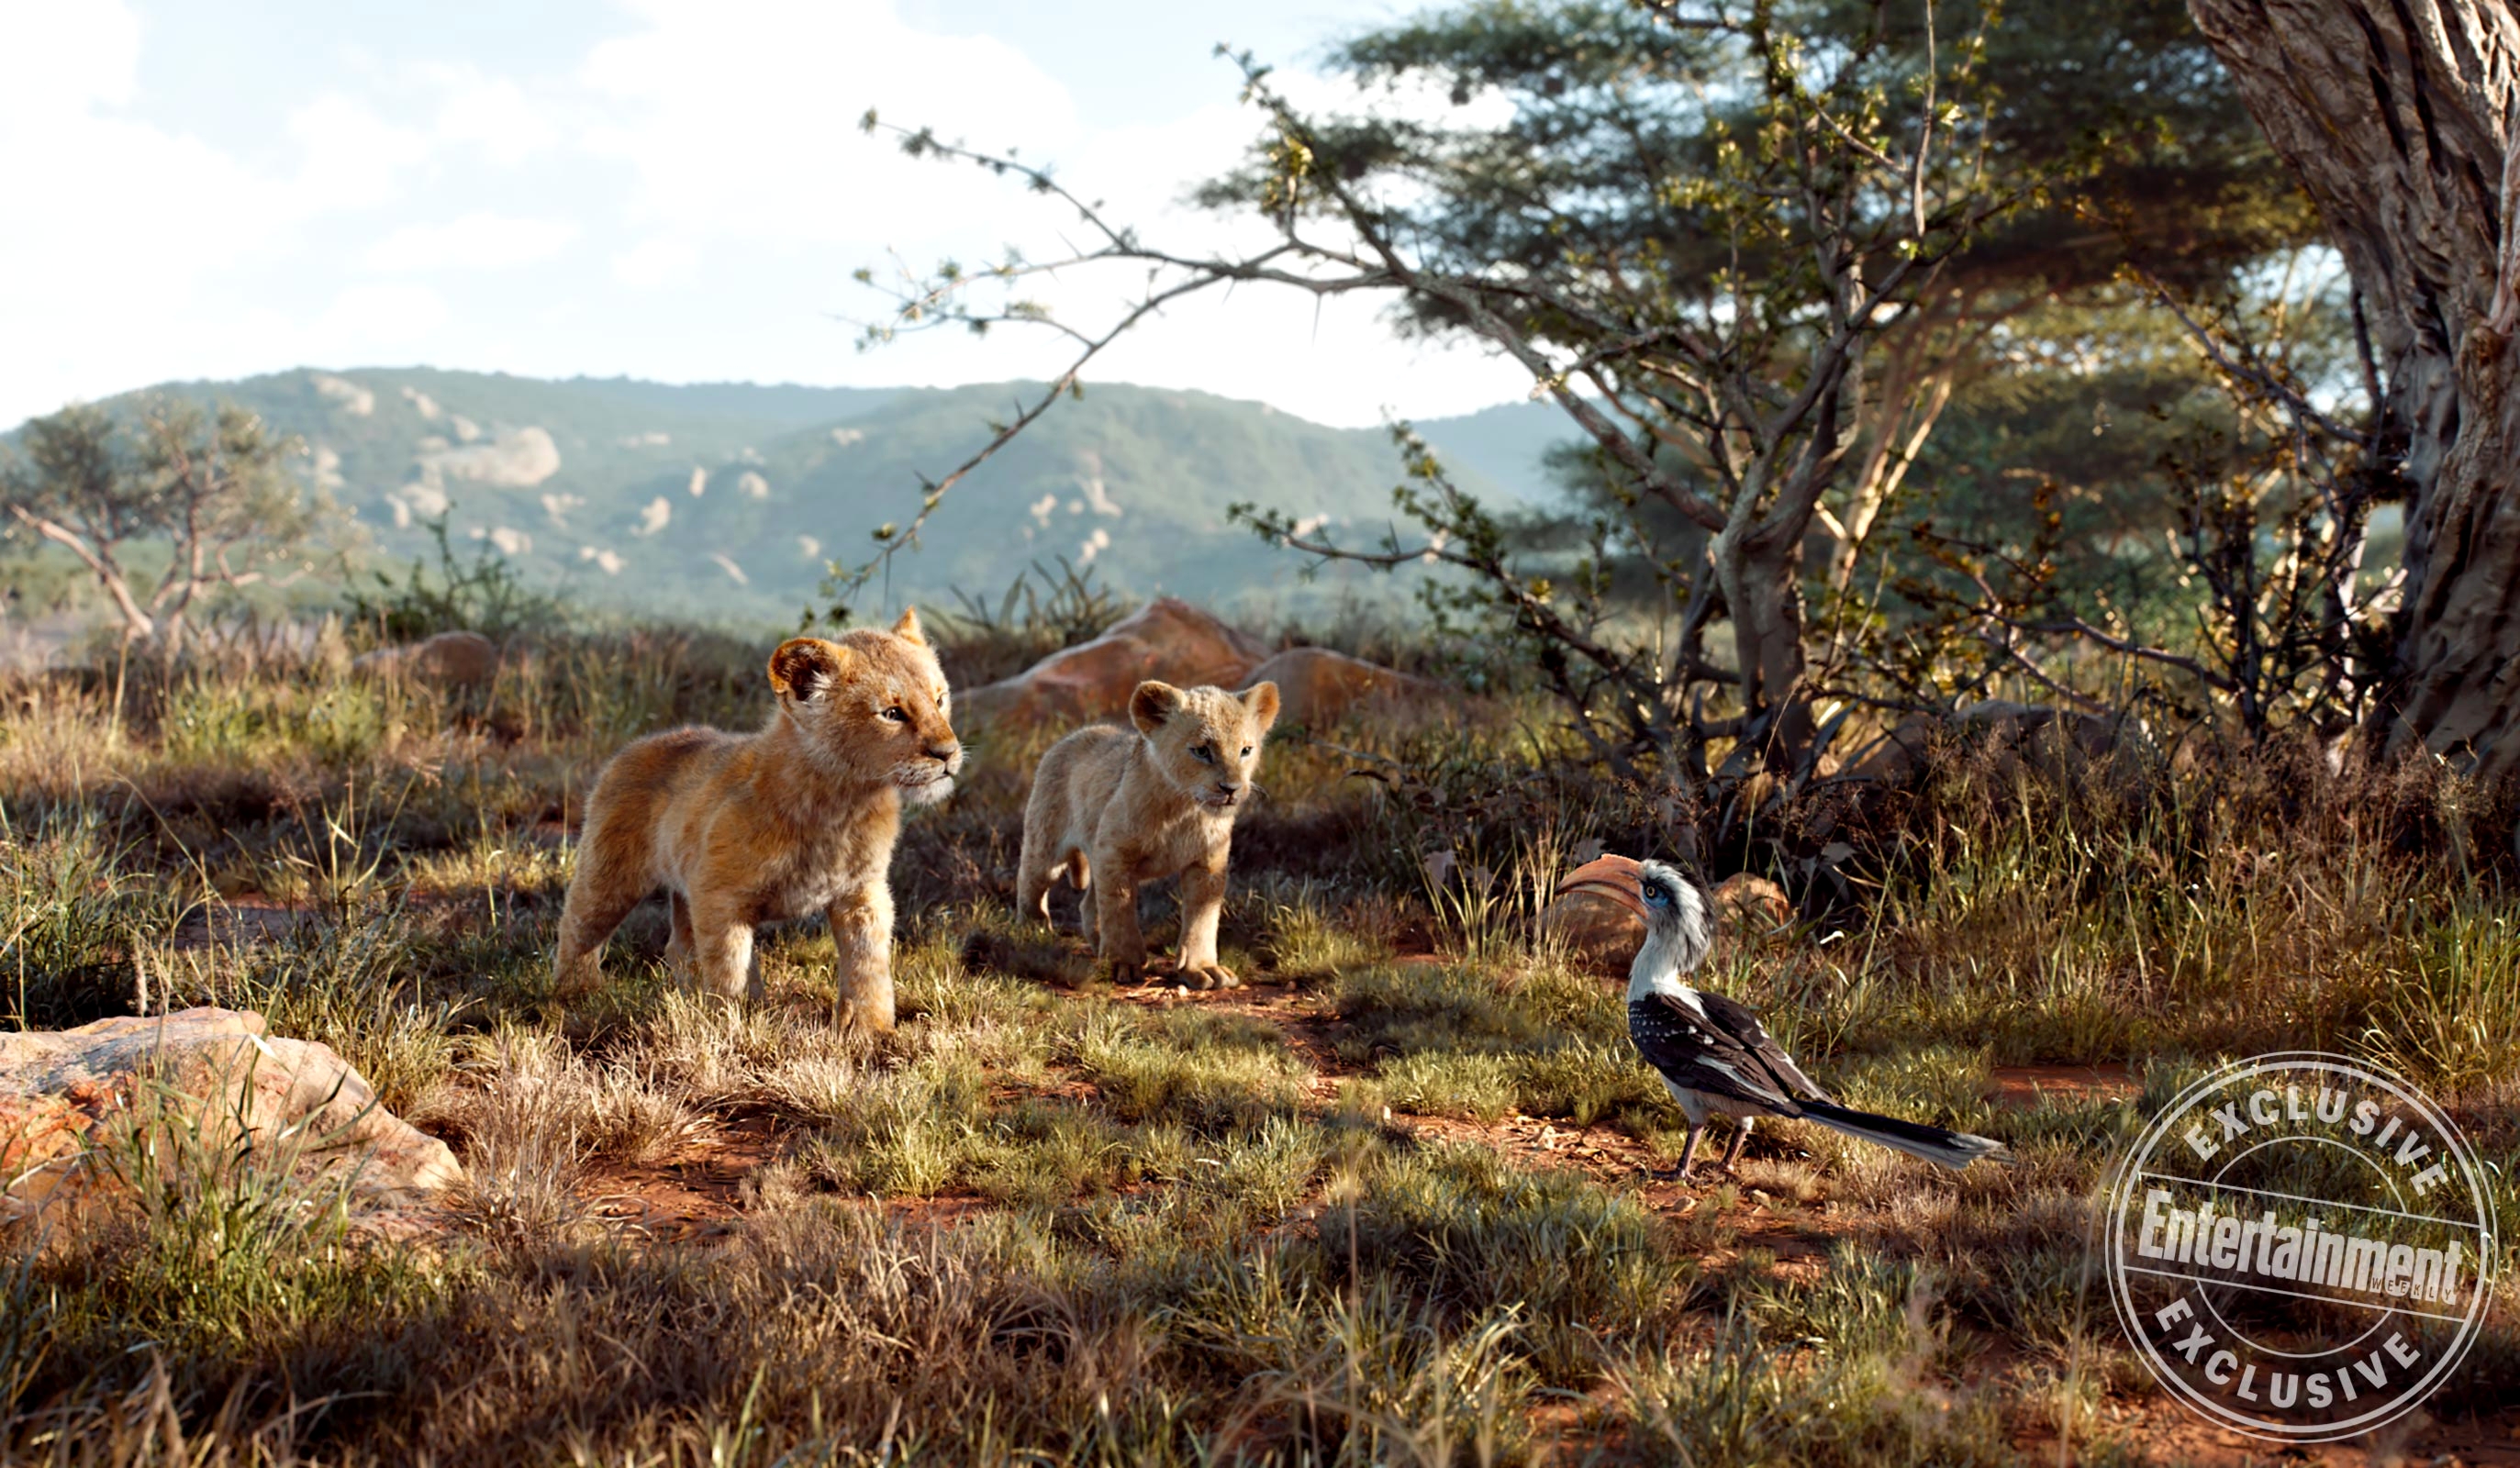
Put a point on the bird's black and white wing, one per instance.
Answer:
(1695, 1053)
(1742, 1023)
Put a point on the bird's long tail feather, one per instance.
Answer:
(1952, 1149)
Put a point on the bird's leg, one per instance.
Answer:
(1732, 1153)
(1688, 1153)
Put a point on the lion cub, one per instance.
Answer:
(1139, 808)
(742, 829)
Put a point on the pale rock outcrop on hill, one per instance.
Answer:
(512, 459)
(216, 1072)
(348, 396)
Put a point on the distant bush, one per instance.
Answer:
(487, 596)
(979, 644)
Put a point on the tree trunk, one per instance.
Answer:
(2398, 119)
(1759, 575)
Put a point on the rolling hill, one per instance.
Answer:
(727, 500)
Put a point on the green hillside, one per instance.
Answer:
(726, 500)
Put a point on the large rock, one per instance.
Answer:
(63, 1092)
(1164, 639)
(448, 661)
(2008, 734)
(1602, 937)
(1316, 686)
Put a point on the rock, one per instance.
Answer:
(2011, 735)
(1316, 686)
(448, 661)
(1166, 639)
(62, 1091)
(1602, 937)
(1749, 908)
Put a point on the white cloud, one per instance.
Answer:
(660, 261)
(474, 242)
(495, 116)
(741, 116)
(352, 157)
(382, 314)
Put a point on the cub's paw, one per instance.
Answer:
(1210, 976)
(1128, 970)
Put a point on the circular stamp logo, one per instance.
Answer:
(2301, 1246)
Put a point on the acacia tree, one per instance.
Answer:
(214, 491)
(2403, 127)
(1752, 253)
(1716, 216)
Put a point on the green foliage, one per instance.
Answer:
(487, 595)
(1039, 615)
(210, 496)
(72, 914)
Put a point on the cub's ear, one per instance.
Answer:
(907, 628)
(1260, 700)
(805, 668)
(1152, 703)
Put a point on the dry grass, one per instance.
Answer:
(1047, 1220)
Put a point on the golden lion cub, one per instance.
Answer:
(742, 829)
(1139, 808)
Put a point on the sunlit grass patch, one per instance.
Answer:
(1478, 1234)
(1211, 1072)
(1306, 941)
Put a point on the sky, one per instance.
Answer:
(666, 189)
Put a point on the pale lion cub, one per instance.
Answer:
(742, 829)
(1113, 809)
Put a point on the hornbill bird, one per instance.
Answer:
(1713, 1053)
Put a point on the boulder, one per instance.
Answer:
(1316, 686)
(1602, 937)
(448, 661)
(1166, 639)
(1748, 908)
(64, 1091)
(2050, 740)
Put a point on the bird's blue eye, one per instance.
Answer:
(1657, 894)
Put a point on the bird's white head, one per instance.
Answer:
(1679, 927)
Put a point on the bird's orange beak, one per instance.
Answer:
(1613, 878)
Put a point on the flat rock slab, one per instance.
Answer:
(1166, 639)
(1316, 686)
(63, 1092)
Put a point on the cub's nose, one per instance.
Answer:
(948, 753)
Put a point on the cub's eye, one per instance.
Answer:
(1246, 751)
(1202, 754)
(896, 715)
